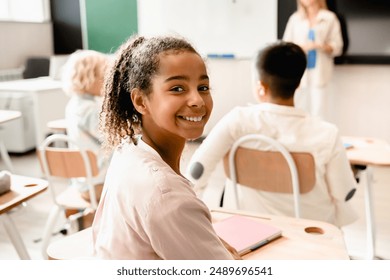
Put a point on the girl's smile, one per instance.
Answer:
(180, 103)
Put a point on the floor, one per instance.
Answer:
(363, 102)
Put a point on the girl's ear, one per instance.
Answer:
(138, 100)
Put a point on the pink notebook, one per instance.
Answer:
(245, 234)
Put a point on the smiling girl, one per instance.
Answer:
(157, 97)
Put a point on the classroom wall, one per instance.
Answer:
(20, 40)
(368, 85)
(215, 27)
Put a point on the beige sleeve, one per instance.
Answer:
(179, 227)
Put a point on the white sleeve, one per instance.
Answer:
(211, 152)
(335, 38)
(90, 122)
(288, 31)
(341, 183)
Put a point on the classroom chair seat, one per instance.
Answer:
(76, 246)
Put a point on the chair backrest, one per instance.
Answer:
(273, 171)
(70, 162)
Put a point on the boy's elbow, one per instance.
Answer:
(195, 171)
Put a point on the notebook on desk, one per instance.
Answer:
(245, 234)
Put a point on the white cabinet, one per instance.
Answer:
(18, 135)
(39, 100)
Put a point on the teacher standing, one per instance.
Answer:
(317, 30)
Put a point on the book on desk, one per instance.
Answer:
(245, 234)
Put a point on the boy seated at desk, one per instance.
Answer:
(280, 67)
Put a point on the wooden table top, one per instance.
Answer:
(22, 189)
(301, 239)
(368, 151)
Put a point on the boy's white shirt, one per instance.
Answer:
(297, 131)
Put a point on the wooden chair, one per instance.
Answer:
(67, 163)
(276, 171)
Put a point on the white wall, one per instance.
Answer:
(231, 85)
(236, 27)
(360, 100)
(20, 40)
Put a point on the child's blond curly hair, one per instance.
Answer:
(81, 71)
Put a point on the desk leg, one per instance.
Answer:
(5, 156)
(14, 236)
(369, 215)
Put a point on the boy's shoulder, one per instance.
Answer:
(323, 123)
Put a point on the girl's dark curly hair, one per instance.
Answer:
(137, 61)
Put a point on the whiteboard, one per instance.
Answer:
(238, 27)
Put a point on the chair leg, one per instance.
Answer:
(5, 156)
(14, 236)
(222, 198)
(49, 227)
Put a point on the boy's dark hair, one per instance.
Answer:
(281, 67)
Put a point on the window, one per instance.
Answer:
(25, 10)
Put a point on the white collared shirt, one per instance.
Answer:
(150, 212)
(82, 126)
(298, 132)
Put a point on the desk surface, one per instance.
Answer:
(368, 151)
(29, 85)
(295, 243)
(301, 239)
(8, 115)
(22, 189)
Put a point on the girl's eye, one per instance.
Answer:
(177, 89)
(204, 88)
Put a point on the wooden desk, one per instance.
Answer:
(366, 153)
(22, 189)
(6, 116)
(301, 239)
